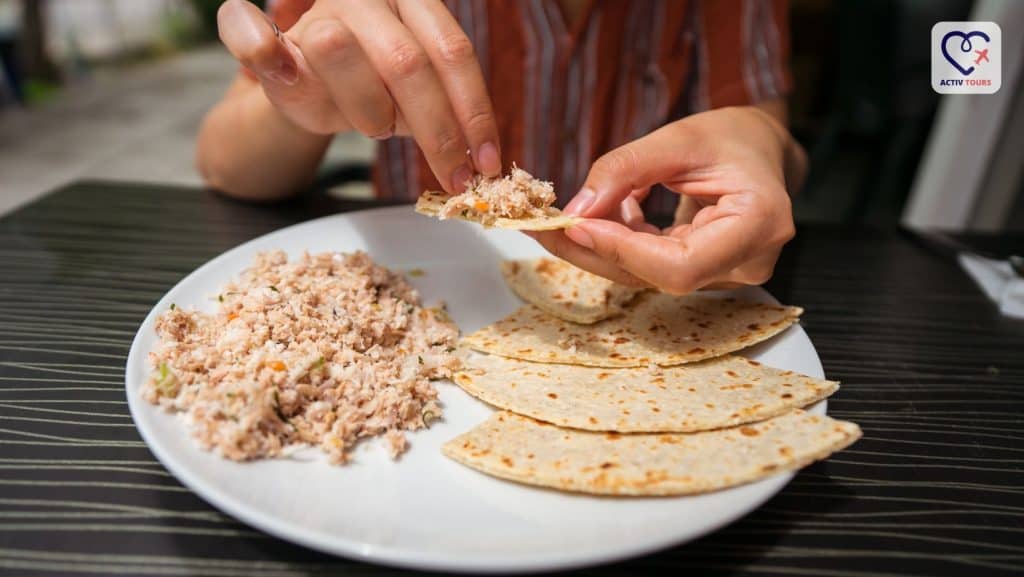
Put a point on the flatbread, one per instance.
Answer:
(565, 291)
(430, 204)
(713, 394)
(521, 449)
(659, 329)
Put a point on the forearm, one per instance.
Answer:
(247, 149)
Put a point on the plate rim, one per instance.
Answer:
(396, 556)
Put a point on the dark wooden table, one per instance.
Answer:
(930, 371)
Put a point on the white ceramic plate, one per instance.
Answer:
(426, 511)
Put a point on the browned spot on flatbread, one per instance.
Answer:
(749, 432)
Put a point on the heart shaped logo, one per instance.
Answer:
(965, 47)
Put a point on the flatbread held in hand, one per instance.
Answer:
(659, 329)
(431, 202)
(521, 449)
(712, 394)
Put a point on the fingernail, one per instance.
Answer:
(461, 177)
(631, 211)
(386, 134)
(580, 237)
(284, 70)
(488, 160)
(583, 200)
(286, 73)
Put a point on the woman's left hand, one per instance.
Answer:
(732, 166)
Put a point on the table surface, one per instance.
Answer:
(931, 372)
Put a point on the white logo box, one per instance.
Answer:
(966, 57)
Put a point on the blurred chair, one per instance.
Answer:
(971, 176)
(880, 111)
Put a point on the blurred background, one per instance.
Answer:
(115, 89)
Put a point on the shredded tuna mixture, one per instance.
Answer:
(323, 350)
(518, 195)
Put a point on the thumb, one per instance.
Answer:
(254, 40)
(658, 157)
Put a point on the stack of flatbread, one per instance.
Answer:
(614, 390)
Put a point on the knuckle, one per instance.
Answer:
(328, 40)
(405, 60)
(455, 50)
(619, 163)
(479, 120)
(764, 276)
(787, 232)
(613, 255)
(446, 142)
(551, 244)
(759, 275)
(377, 127)
(680, 281)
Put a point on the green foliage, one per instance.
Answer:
(39, 91)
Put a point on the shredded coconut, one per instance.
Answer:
(518, 195)
(323, 350)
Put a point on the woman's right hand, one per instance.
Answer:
(382, 68)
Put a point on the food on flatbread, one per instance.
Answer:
(660, 329)
(565, 291)
(517, 201)
(522, 449)
(323, 350)
(712, 394)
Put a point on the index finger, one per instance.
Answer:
(455, 60)
(411, 78)
(677, 265)
(652, 159)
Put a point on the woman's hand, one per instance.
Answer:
(733, 167)
(382, 68)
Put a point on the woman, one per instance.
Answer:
(609, 98)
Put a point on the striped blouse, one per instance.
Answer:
(564, 95)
